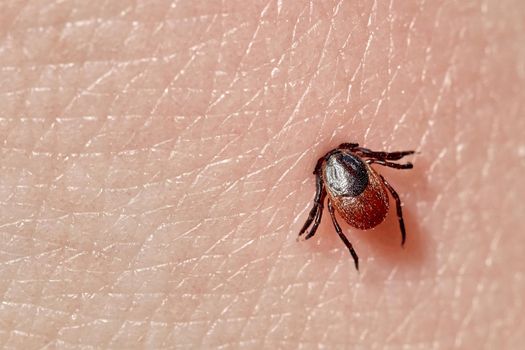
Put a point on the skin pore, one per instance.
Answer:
(156, 168)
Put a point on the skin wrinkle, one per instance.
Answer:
(171, 176)
(236, 74)
(269, 275)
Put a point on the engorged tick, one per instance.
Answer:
(355, 190)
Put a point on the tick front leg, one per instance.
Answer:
(390, 164)
(315, 208)
(342, 236)
(317, 217)
(365, 152)
(399, 210)
(349, 146)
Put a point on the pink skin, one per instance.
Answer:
(156, 168)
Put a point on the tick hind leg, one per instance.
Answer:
(399, 210)
(316, 211)
(342, 236)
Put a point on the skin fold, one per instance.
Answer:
(156, 168)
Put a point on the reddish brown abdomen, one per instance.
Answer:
(366, 210)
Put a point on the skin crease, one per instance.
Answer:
(156, 168)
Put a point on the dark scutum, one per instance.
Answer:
(346, 175)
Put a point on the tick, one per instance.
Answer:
(355, 190)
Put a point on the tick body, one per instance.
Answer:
(355, 190)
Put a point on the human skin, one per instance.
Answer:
(156, 168)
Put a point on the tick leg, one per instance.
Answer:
(317, 217)
(390, 164)
(315, 208)
(399, 210)
(365, 152)
(350, 146)
(318, 165)
(342, 236)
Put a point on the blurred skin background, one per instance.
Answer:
(156, 168)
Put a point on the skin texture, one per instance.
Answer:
(156, 168)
